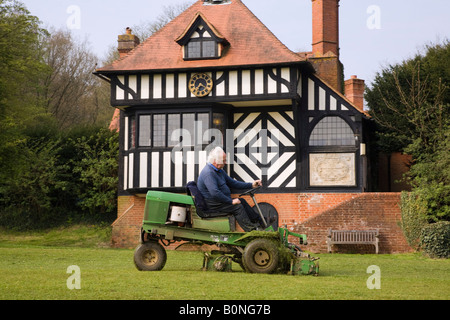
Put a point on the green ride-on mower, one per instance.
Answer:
(171, 218)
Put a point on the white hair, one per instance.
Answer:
(216, 155)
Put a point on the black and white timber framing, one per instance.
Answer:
(272, 111)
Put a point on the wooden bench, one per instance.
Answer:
(352, 237)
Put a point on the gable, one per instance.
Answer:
(201, 40)
(319, 96)
(200, 22)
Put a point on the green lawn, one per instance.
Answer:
(34, 267)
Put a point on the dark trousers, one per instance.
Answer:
(239, 211)
(252, 214)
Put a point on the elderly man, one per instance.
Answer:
(215, 186)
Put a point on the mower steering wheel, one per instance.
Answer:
(250, 192)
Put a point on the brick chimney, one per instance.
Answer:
(325, 19)
(127, 42)
(325, 44)
(354, 91)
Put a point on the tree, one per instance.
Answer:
(20, 67)
(411, 100)
(72, 95)
(146, 29)
(410, 103)
(47, 88)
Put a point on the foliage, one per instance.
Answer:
(20, 67)
(97, 172)
(60, 179)
(431, 178)
(410, 103)
(411, 100)
(28, 193)
(49, 100)
(71, 94)
(413, 210)
(435, 239)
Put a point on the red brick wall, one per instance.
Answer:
(309, 213)
(295, 208)
(362, 212)
(126, 229)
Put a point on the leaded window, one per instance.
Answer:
(332, 131)
(201, 45)
(170, 130)
(159, 130)
(145, 127)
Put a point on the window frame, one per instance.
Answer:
(168, 144)
(315, 126)
(331, 149)
(201, 39)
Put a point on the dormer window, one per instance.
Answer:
(201, 45)
(201, 40)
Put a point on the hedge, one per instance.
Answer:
(435, 239)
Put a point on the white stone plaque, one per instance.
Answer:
(332, 169)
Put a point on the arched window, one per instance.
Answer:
(332, 131)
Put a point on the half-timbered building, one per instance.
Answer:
(216, 75)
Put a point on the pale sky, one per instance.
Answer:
(373, 33)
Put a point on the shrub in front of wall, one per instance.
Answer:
(435, 239)
(413, 217)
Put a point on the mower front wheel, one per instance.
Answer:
(261, 256)
(150, 256)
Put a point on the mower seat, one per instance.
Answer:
(210, 218)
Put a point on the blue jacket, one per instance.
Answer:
(216, 185)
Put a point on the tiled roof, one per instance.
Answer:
(250, 42)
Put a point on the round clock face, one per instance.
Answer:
(200, 85)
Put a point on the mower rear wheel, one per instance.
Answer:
(261, 256)
(150, 256)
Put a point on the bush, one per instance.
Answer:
(27, 196)
(435, 239)
(430, 177)
(98, 172)
(413, 210)
(61, 178)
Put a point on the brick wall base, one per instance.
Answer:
(309, 213)
(363, 212)
(127, 227)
